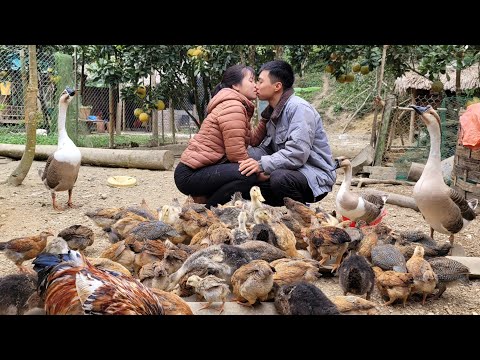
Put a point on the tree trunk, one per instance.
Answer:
(278, 52)
(139, 159)
(31, 117)
(373, 137)
(251, 55)
(399, 200)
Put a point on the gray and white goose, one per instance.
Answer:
(442, 207)
(61, 170)
(357, 206)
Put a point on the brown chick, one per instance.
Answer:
(173, 259)
(25, 248)
(107, 264)
(285, 238)
(252, 281)
(78, 237)
(172, 304)
(424, 279)
(154, 275)
(104, 217)
(289, 271)
(193, 222)
(211, 288)
(326, 242)
(393, 285)
(152, 250)
(354, 305)
(303, 214)
(123, 226)
(372, 236)
(120, 253)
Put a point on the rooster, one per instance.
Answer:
(70, 285)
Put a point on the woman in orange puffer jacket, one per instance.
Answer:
(208, 169)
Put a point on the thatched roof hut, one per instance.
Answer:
(469, 79)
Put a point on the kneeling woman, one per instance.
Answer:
(208, 169)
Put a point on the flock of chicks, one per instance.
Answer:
(247, 249)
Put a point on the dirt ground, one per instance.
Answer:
(27, 210)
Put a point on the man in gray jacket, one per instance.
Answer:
(294, 158)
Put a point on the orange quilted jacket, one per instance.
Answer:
(225, 132)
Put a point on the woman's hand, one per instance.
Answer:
(249, 167)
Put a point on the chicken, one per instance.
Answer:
(252, 282)
(173, 259)
(373, 235)
(172, 304)
(285, 239)
(107, 264)
(303, 299)
(16, 292)
(449, 273)
(122, 227)
(120, 253)
(25, 248)
(356, 276)
(288, 271)
(217, 233)
(71, 285)
(211, 288)
(388, 257)
(326, 242)
(393, 285)
(154, 275)
(150, 251)
(171, 215)
(354, 305)
(424, 279)
(303, 214)
(261, 250)
(103, 217)
(219, 260)
(56, 246)
(78, 237)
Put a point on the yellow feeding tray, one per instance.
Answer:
(121, 181)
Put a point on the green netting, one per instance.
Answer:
(448, 110)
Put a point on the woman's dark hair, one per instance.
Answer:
(232, 76)
(280, 70)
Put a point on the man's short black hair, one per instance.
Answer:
(280, 70)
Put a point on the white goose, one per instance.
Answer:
(442, 207)
(357, 206)
(61, 169)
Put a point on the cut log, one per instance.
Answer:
(416, 170)
(399, 200)
(140, 159)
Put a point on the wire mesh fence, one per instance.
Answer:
(88, 118)
(408, 139)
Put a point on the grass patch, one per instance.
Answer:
(93, 141)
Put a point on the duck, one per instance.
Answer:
(61, 170)
(357, 206)
(443, 208)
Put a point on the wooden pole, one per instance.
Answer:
(172, 120)
(111, 115)
(163, 131)
(382, 138)
(373, 138)
(411, 131)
